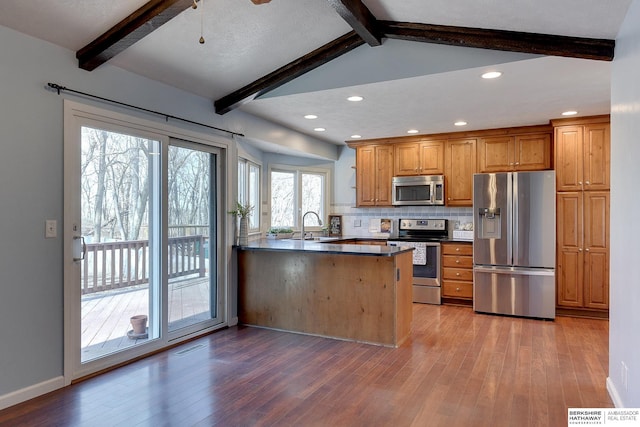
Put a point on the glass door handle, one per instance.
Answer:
(84, 248)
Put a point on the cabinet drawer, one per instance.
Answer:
(457, 249)
(457, 274)
(457, 289)
(457, 261)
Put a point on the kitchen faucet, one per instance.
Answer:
(302, 237)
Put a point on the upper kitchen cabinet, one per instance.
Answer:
(508, 153)
(419, 158)
(582, 154)
(374, 169)
(459, 167)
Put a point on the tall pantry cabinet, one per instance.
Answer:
(582, 161)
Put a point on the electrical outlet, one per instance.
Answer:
(357, 223)
(50, 228)
(624, 373)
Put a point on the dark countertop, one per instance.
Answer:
(323, 246)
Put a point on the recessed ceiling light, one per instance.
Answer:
(355, 98)
(460, 123)
(413, 131)
(310, 116)
(356, 136)
(491, 75)
(570, 113)
(319, 129)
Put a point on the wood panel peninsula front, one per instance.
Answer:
(346, 291)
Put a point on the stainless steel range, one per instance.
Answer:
(424, 235)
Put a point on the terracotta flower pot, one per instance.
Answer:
(139, 324)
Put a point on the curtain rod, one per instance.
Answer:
(58, 88)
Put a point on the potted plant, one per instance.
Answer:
(280, 233)
(242, 211)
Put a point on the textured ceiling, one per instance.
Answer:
(405, 84)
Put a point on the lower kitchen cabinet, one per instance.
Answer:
(583, 250)
(457, 272)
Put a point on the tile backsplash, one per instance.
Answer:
(355, 221)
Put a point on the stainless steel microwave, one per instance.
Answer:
(426, 190)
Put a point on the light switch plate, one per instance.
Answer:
(50, 228)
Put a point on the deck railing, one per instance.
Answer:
(114, 265)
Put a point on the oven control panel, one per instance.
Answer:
(423, 224)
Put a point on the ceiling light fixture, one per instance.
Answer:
(460, 123)
(356, 136)
(413, 131)
(310, 116)
(319, 129)
(569, 113)
(355, 98)
(491, 75)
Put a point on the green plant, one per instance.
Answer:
(241, 210)
(277, 230)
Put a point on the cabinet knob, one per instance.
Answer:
(517, 163)
(586, 250)
(579, 249)
(579, 182)
(511, 164)
(457, 289)
(587, 182)
(457, 249)
(457, 261)
(416, 169)
(457, 274)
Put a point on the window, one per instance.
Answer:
(296, 191)
(249, 190)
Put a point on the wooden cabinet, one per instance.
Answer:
(374, 171)
(583, 249)
(457, 270)
(582, 157)
(582, 160)
(460, 165)
(514, 153)
(419, 158)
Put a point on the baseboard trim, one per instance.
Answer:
(613, 393)
(30, 392)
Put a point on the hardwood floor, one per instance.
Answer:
(458, 369)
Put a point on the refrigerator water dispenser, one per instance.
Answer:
(489, 223)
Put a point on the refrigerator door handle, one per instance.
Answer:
(515, 271)
(510, 216)
(516, 214)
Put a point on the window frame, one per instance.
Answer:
(298, 171)
(245, 192)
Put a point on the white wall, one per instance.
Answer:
(624, 326)
(31, 190)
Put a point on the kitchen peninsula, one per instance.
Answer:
(345, 291)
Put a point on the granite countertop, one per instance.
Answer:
(323, 246)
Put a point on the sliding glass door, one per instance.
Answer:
(192, 210)
(144, 270)
(119, 233)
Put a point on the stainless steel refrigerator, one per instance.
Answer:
(514, 247)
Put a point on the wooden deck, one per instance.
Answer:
(105, 315)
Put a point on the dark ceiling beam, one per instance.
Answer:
(360, 18)
(289, 72)
(124, 34)
(513, 41)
